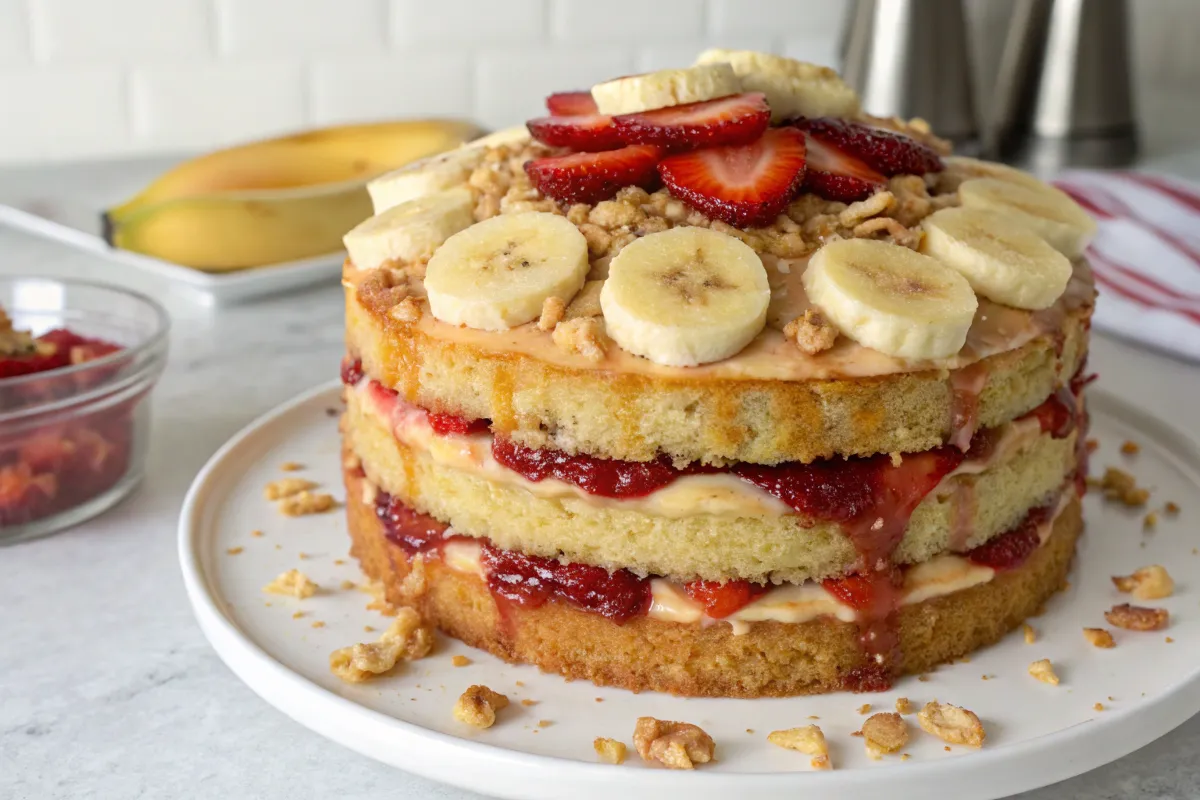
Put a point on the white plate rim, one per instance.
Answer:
(441, 757)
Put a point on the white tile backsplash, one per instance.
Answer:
(120, 31)
(84, 78)
(258, 28)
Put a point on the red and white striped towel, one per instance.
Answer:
(1146, 256)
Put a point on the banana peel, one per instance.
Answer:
(274, 200)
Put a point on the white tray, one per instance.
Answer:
(1037, 734)
(64, 203)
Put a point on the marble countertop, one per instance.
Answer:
(107, 687)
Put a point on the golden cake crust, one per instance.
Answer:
(772, 659)
(694, 415)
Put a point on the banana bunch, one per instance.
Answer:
(271, 201)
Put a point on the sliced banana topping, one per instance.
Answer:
(685, 296)
(1002, 260)
(496, 274)
(412, 230)
(977, 168)
(793, 88)
(509, 137)
(420, 178)
(668, 87)
(890, 298)
(1048, 211)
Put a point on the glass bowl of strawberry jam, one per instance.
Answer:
(78, 361)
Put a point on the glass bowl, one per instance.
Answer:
(73, 439)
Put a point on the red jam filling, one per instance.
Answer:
(406, 528)
(56, 467)
(722, 599)
(352, 371)
(1010, 550)
(445, 424)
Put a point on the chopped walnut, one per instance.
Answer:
(553, 309)
(903, 706)
(598, 239)
(586, 302)
(1043, 670)
(1148, 583)
(413, 587)
(898, 233)
(306, 502)
(584, 336)
(1130, 448)
(809, 740)
(864, 708)
(478, 706)
(1119, 485)
(408, 638)
(952, 724)
(460, 661)
(407, 310)
(286, 487)
(884, 733)
(676, 745)
(294, 583)
(610, 750)
(811, 332)
(1098, 637)
(874, 205)
(1137, 618)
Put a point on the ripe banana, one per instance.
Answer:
(685, 296)
(890, 298)
(329, 155)
(1001, 259)
(235, 230)
(668, 87)
(440, 172)
(411, 230)
(496, 274)
(977, 168)
(1045, 210)
(793, 88)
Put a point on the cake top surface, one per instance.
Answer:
(738, 218)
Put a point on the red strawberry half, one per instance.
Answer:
(592, 177)
(887, 152)
(739, 119)
(746, 185)
(835, 175)
(722, 599)
(588, 132)
(571, 104)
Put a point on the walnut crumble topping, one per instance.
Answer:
(1119, 485)
(1098, 637)
(1148, 583)
(808, 739)
(884, 733)
(952, 724)
(812, 333)
(408, 638)
(675, 745)
(610, 750)
(1137, 618)
(585, 336)
(304, 503)
(477, 706)
(903, 706)
(294, 583)
(553, 309)
(287, 487)
(1043, 670)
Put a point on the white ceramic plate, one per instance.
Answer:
(1037, 734)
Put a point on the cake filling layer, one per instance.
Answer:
(620, 595)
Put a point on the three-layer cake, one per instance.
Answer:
(717, 386)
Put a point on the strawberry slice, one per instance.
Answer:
(444, 424)
(571, 104)
(746, 185)
(872, 592)
(1009, 550)
(588, 132)
(592, 177)
(738, 119)
(834, 175)
(722, 599)
(885, 151)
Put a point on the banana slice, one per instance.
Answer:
(434, 174)
(668, 87)
(496, 274)
(1047, 211)
(517, 134)
(977, 168)
(793, 88)
(685, 296)
(890, 298)
(411, 230)
(1002, 260)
